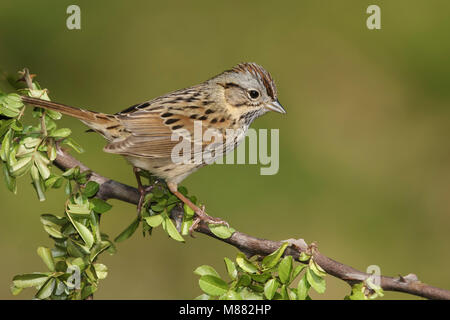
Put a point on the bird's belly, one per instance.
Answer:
(165, 168)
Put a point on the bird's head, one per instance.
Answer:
(248, 92)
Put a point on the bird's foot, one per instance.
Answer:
(202, 216)
(143, 191)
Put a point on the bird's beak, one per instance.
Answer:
(275, 106)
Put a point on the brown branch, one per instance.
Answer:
(111, 189)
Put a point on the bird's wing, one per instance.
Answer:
(153, 133)
(149, 135)
(149, 127)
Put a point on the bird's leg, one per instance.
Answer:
(200, 213)
(142, 190)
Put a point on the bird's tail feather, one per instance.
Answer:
(97, 121)
(85, 115)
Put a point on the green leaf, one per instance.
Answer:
(212, 285)
(14, 100)
(292, 294)
(261, 278)
(46, 256)
(21, 166)
(16, 126)
(221, 231)
(206, 270)
(84, 232)
(203, 296)
(53, 231)
(87, 291)
(100, 206)
(183, 190)
(5, 126)
(74, 145)
(297, 270)
(358, 292)
(128, 232)
(112, 249)
(170, 228)
(31, 142)
(256, 288)
(29, 280)
(160, 206)
(270, 288)
(231, 268)
(68, 173)
(91, 189)
(158, 193)
(188, 218)
(188, 211)
(9, 112)
(98, 248)
(54, 182)
(75, 250)
(15, 291)
(79, 209)
(9, 180)
(284, 292)
(101, 270)
(272, 259)
(154, 221)
(318, 283)
(42, 162)
(245, 264)
(37, 183)
(36, 92)
(51, 152)
(303, 288)
(378, 291)
(55, 115)
(76, 262)
(46, 290)
(244, 280)
(91, 274)
(68, 188)
(186, 225)
(52, 225)
(304, 257)
(61, 133)
(285, 269)
(172, 199)
(316, 268)
(6, 144)
(146, 228)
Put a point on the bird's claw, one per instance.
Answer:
(202, 216)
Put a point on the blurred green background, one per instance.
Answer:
(364, 147)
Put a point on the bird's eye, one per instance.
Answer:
(253, 94)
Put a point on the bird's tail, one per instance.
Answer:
(100, 122)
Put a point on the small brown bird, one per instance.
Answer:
(143, 132)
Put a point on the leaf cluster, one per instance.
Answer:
(73, 270)
(158, 205)
(30, 148)
(271, 278)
